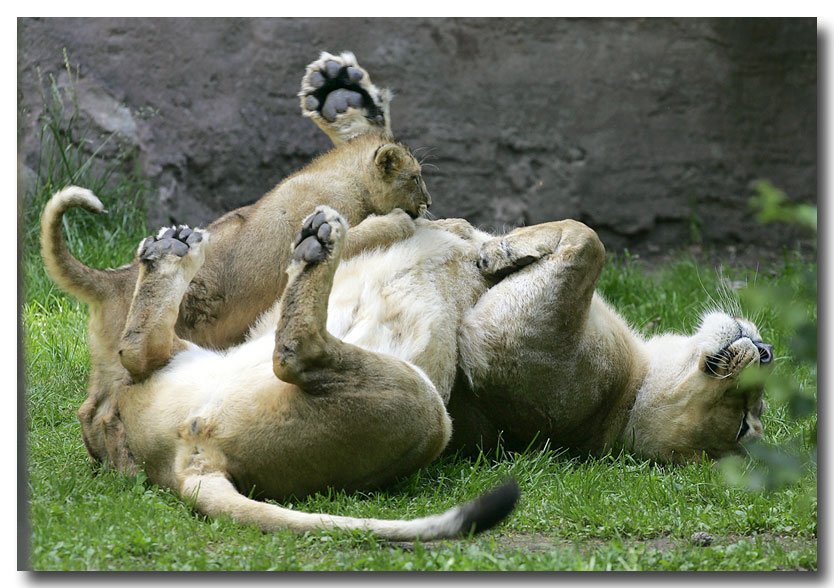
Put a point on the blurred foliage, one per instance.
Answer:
(794, 309)
(772, 205)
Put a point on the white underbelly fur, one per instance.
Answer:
(383, 301)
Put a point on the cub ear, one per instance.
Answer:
(390, 159)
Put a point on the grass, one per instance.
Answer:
(612, 512)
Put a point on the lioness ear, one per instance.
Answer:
(390, 159)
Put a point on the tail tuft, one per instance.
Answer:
(488, 510)
(75, 196)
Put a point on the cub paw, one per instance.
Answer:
(177, 244)
(338, 95)
(321, 236)
(502, 256)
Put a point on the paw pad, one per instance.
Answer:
(499, 260)
(333, 85)
(316, 239)
(171, 241)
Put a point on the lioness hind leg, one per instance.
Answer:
(301, 336)
(388, 406)
(337, 94)
(168, 262)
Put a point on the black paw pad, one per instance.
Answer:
(174, 241)
(336, 88)
(313, 242)
(503, 267)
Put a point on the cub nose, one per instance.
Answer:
(765, 352)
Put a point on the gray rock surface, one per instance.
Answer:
(649, 130)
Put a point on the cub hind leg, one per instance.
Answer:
(338, 95)
(167, 263)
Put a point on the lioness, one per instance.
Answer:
(368, 177)
(542, 357)
(343, 383)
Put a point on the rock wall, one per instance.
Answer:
(649, 130)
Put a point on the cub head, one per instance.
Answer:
(398, 181)
(693, 400)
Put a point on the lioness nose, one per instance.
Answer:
(765, 352)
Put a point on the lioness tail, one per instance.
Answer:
(214, 494)
(86, 283)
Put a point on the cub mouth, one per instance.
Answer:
(422, 209)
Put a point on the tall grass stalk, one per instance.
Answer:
(69, 154)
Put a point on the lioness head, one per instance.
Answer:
(402, 181)
(692, 400)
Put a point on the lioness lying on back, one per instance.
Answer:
(343, 382)
(541, 357)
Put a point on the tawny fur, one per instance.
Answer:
(370, 178)
(343, 383)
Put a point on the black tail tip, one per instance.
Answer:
(489, 509)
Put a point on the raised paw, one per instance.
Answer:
(338, 95)
(178, 244)
(321, 234)
(502, 256)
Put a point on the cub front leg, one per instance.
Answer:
(378, 231)
(167, 263)
(337, 94)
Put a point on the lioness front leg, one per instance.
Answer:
(523, 332)
(546, 275)
(337, 94)
(168, 262)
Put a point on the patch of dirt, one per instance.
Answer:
(536, 542)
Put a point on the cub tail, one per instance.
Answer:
(213, 494)
(88, 284)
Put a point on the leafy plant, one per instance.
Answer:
(795, 390)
